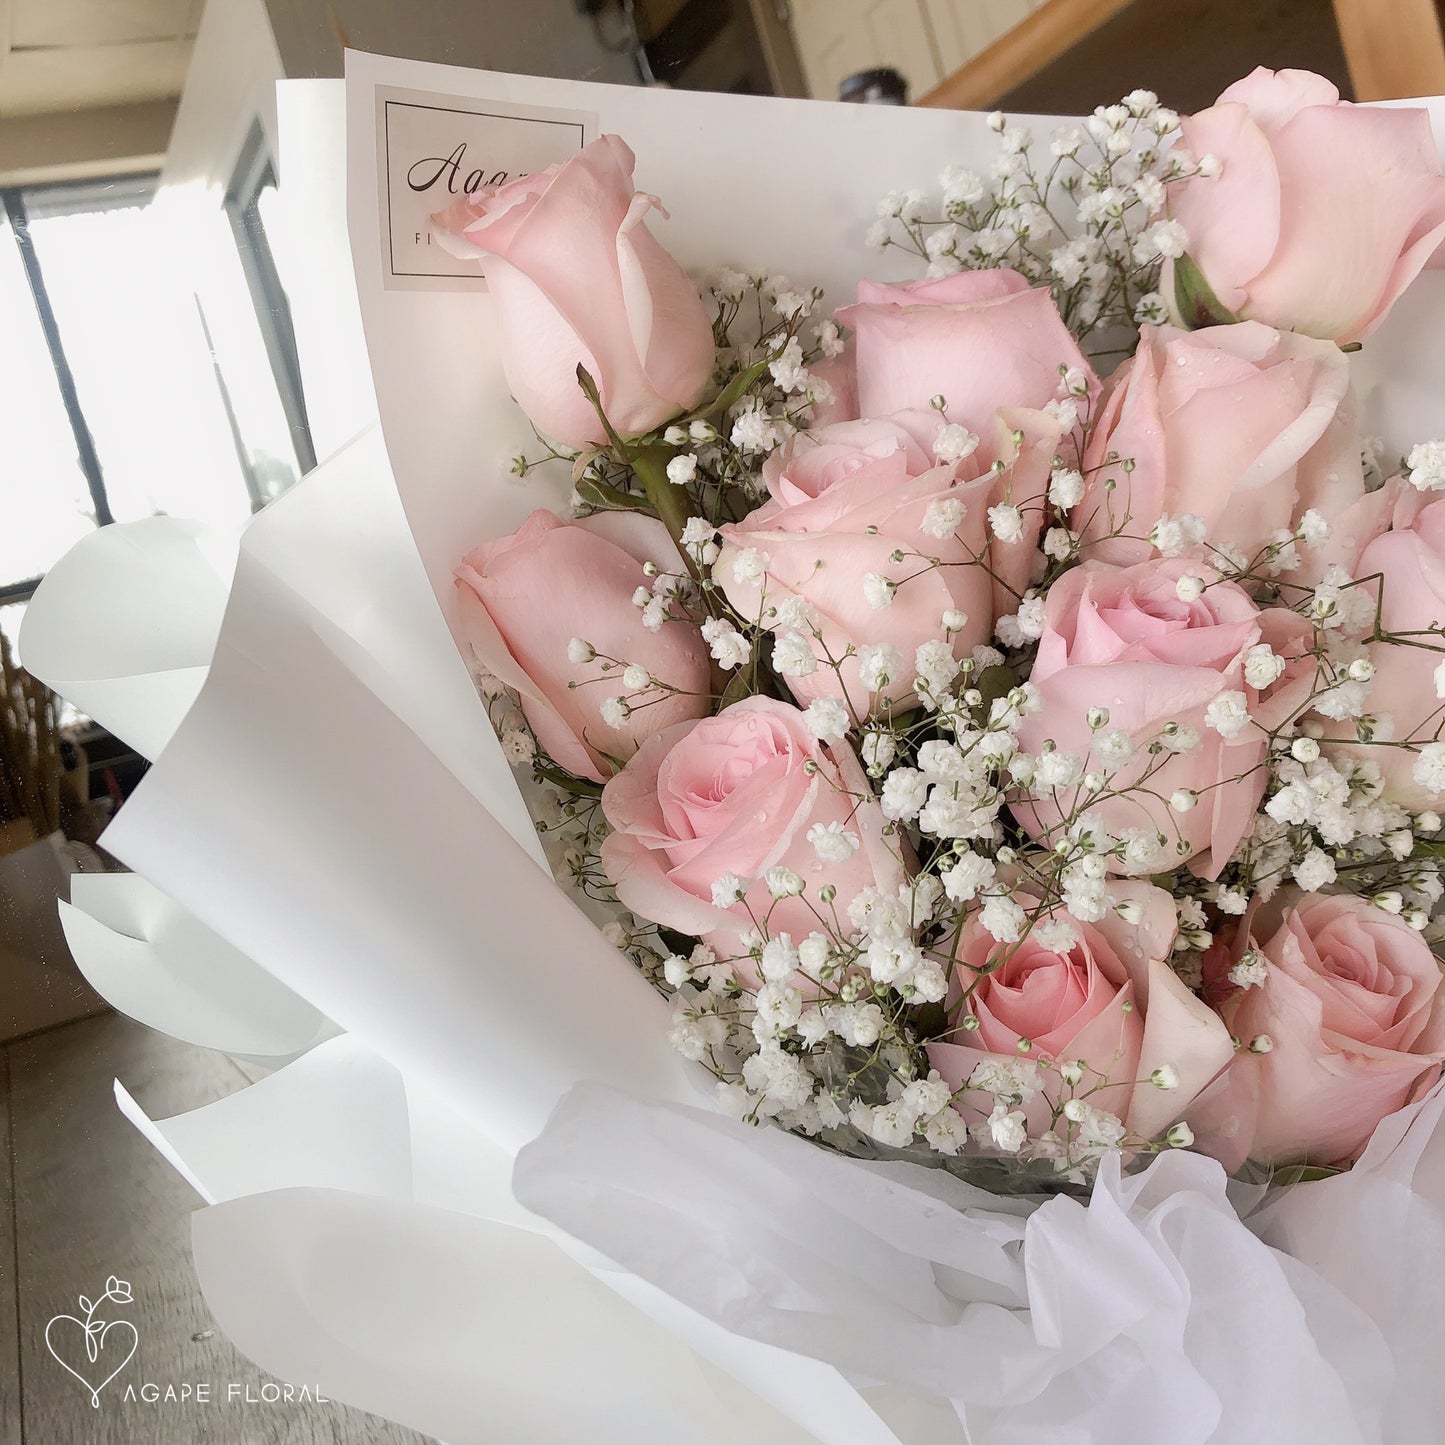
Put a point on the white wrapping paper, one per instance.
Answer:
(129, 622)
(156, 962)
(462, 1328)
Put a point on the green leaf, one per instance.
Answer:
(1303, 1174)
(931, 1020)
(584, 787)
(1195, 300)
(740, 685)
(995, 682)
(731, 394)
(755, 678)
(589, 390)
(610, 499)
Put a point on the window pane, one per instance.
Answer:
(45, 504)
(12, 614)
(145, 377)
(236, 331)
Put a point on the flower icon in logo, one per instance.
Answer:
(106, 1343)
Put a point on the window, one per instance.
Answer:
(116, 403)
(250, 202)
(46, 502)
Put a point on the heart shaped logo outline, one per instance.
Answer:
(94, 1333)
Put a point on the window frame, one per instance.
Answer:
(252, 173)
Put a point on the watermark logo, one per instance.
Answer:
(93, 1349)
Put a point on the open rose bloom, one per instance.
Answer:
(858, 859)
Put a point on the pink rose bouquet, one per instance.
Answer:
(978, 716)
(942, 722)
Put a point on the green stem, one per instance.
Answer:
(673, 504)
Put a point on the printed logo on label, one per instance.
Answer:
(433, 149)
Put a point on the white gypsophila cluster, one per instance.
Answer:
(769, 344)
(1083, 212)
(1323, 817)
(1425, 466)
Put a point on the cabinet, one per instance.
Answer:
(837, 37)
(961, 28)
(924, 40)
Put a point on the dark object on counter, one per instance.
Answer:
(883, 86)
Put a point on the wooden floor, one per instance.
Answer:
(84, 1197)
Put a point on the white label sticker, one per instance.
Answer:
(435, 148)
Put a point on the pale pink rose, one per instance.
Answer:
(575, 277)
(1324, 212)
(524, 597)
(1111, 1001)
(1245, 427)
(1351, 1007)
(837, 384)
(737, 794)
(1409, 562)
(1121, 639)
(980, 339)
(853, 499)
(1353, 529)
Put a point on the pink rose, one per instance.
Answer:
(524, 597)
(1109, 1000)
(869, 499)
(1244, 427)
(739, 794)
(838, 393)
(1410, 564)
(1351, 1009)
(1323, 213)
(980, 339)
(1121, 639)
(576, 277)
